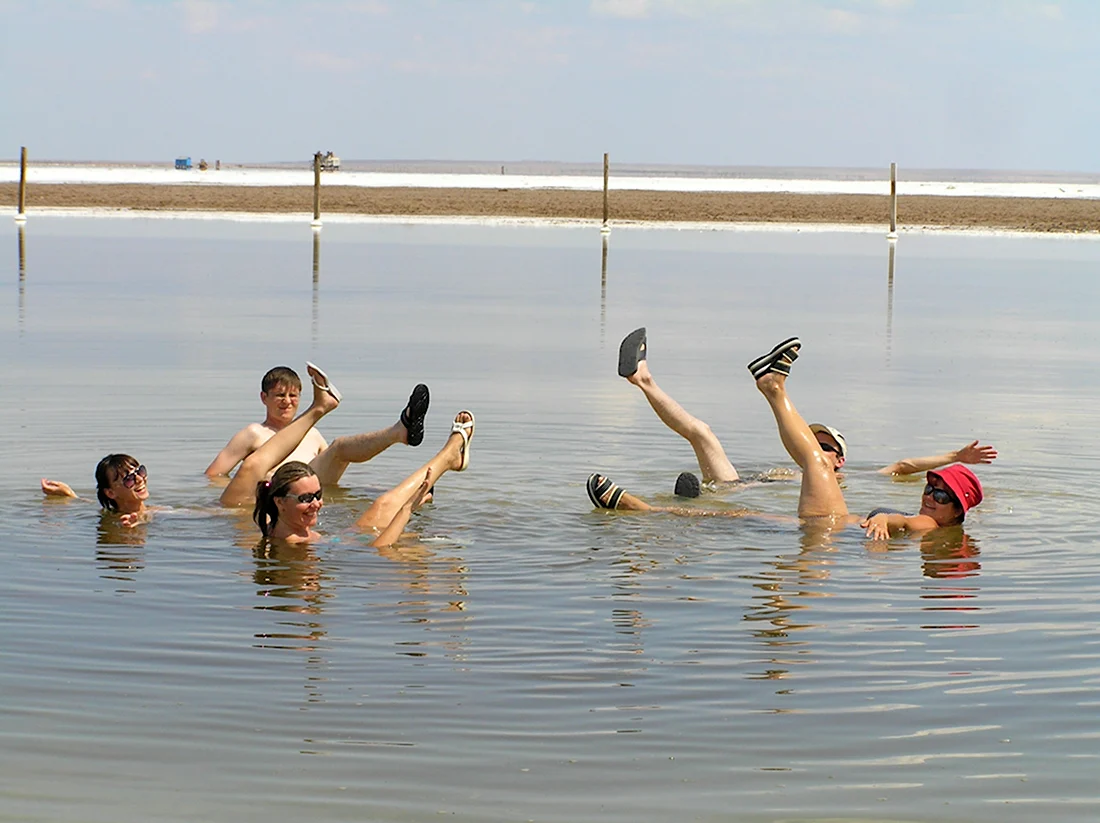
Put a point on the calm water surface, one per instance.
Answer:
(527, 658)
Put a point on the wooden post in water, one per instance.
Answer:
(316, 224)
(606, 168)
(21, 217)
(893, 235)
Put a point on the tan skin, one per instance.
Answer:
(821, 501)
(390, 512)
(715, 466)
(131, 501)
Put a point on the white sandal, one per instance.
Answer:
(467, 431)
(328, 384)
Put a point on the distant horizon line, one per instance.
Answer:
(619, 168)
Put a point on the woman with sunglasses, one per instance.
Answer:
(120, 488)
(949, 492)
(288, 504)
(120, 479)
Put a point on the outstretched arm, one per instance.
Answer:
(970, 453)
(55, 488)
(242, 444)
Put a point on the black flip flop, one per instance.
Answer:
(778, 360)
(598, 486)
(631, 351)
(412, 416)
(687, 485)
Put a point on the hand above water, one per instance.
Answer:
(973, 453)
(55, 488)
(877, 527)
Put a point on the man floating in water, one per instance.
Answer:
(715, 466)
(948, 493)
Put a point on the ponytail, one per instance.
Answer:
(266, 513)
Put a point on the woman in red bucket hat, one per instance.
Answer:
(948, 494)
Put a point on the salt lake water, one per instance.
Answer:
(526, 657)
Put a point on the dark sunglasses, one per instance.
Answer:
(828, 447)
(131, 477)
(308, 497)
(941, 496)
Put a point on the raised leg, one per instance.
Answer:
(331, 464)
(396, 527)
(820, 494)
(450, 458)
(713, 462)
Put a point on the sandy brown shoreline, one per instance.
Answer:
(1008, 213)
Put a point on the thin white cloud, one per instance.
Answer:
(1052, 11)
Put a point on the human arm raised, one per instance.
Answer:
(971, 453)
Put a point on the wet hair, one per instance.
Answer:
(266, 513)
(278, 376)
(118, 464)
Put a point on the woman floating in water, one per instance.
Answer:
(948, 493)
(287, 505)
(293, 495)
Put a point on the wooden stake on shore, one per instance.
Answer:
(316, 191)
(893, 235)
(606, 168)
(21, 217)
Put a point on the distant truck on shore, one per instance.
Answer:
(329, 161)
(183, 163)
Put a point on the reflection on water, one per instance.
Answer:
(892, 248)
(603, 287)
(521, 656)
(21, 230)
(316, 283)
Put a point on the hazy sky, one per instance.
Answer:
(994, 84)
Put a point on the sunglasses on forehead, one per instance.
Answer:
(308, 497)
(941, 496)
(131, 477)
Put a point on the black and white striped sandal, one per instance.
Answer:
(602, 492)
(778, 360)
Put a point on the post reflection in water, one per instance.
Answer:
(603, 287)
(316, 281)
(890, 298)
(22, 275)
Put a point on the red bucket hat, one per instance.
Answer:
(963, 483)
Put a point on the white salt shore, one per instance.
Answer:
(162, 175)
